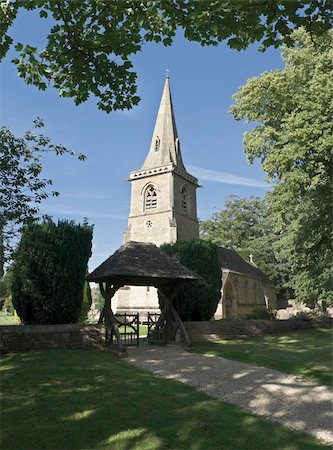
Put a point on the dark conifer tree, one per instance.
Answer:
(48, 273)
(197, 300)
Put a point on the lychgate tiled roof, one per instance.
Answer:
(141, 263)
(229, 259)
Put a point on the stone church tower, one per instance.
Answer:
(163, 202)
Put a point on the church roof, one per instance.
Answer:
(141, 264)
(231, 260)
(165, 146)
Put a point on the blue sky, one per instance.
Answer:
(202, 79)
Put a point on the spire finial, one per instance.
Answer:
(167, 75)
(251, 258)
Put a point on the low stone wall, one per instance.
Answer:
(229, 328)
(20, 338)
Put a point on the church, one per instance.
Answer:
(164, 209)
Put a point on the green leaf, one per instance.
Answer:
(18, 47)
(236, 43)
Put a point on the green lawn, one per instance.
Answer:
(143, 329)
(6, 320)
(306, 353)
(78, 399)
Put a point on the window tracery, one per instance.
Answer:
(150, 197)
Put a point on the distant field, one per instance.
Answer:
(10, 320)
(6, 320)
(305, 353)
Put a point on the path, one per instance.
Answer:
(283, 398)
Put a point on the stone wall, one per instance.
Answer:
(229, 328)
(36, 337)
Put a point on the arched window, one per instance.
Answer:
(184, 198)
(150, 197)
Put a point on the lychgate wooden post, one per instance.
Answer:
(173, 320)
(111, 326)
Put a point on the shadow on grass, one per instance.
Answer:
(301, 404)
(88, 400)
(306, 353)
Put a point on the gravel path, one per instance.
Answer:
(287, 399)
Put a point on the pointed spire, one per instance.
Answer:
(164, 147)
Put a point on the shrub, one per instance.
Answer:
(49, 271)
(197, 300)
(303, 315)
(262, 313)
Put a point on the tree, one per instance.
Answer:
(48, 273)
(293, 110)
(240, 221)
(197, 300)
(98, 37)
(22, 188)
(86, 301)
(245, 226)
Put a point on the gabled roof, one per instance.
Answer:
(231, 260)
(141, 264)
(164, 147)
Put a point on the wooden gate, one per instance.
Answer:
(156, 329)
(128, 326)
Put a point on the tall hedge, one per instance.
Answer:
(197, 300)
(49, 271)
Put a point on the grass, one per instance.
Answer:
(76, 399)
(143, 329)
(6, 320)
(305, 353)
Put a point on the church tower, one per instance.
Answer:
(163, 203)
(163, 200)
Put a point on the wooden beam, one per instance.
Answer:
(170, 314)
(107, 315)
(183, 333)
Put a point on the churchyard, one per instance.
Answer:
(304, 353)
(77, 399)
(247, 381)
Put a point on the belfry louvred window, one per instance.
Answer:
(157, 144)
(150, 197)
(184, 198)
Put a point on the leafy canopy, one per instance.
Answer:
(245, 226)
(97, 38)
(240, 221)
(293, 110)
(22, 188)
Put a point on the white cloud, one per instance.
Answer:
(225, 178)
(88, 195)
(64, 210)
(102, 254)
(130, 113)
